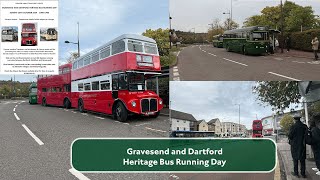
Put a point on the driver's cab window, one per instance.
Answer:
(115, 79)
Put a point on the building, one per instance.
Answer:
(215, 126)
(232, 129)
(201, 126)
(181, 121)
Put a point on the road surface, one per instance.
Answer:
(35, 143)
(207, 63)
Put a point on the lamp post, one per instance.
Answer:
(230, 18)
(170, 35)
(194, 33)
(282, 25)
(78, 43)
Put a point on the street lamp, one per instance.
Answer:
(78, 43)
(170, 36)
(230, 18)
(282, 25)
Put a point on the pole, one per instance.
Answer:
(78, 41)
(231, 14)
(14, 85)
(170, 35)
(239, 118)
(282, 27)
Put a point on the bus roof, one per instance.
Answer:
(124, 36)
(251, 28)
(33, 85)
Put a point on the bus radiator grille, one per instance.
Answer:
(153, 104)
(145, 105)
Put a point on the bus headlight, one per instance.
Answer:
(133, 104)
(160, 101)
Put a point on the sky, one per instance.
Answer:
(218, 99)
(189, 14)
(101, 21)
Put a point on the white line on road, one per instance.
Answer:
(178, 53)
(212, 54)
(235, 62)
(176, 74)
(17, 117)
(293, 79)
(299, 62)
(32, 135)
(66, 110)
(141, 124)
(78, 174)
(14, 109)
(99, 117)
(16, 106)
(155, 130)
(74, 112)
(85, 114)
(176, 79)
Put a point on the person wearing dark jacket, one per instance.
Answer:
(298, 147)
(315, 134)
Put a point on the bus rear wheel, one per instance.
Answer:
(120, 112)
(81, 106)
(44, 102)
(67, 104)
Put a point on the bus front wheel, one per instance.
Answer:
(81, 106)
(120, 113)
(67, 104)
(44, 102)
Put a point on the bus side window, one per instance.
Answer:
(87, 87)
(67, 88)
(115, 80)
(105, 53)
(80, 87)
(44, 89)
(122, 82)
(105, 85)
(95, 85)
(118, 47)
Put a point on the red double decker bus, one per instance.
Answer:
(29, 34)
(257, 129)
(55, 90)
(111, 79)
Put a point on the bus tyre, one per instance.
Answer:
(81, 106)
(67, 104)
(121, 113)
(44, 102)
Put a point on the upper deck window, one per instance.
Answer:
(86, 61)
(95, 57)
(80, 63)
(105, 53)
(65, 70)
(135, 46)
(118, 47)
(150, 48)
(75, 65)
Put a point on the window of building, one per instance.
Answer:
(118, 47)
(95, 85)
(87, 87)
(105, 85)
(80, 87)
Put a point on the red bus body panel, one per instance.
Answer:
(121, 62)
(54, 98)
(257, 126)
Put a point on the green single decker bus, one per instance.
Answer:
(218, 41)
(33, 93)
(248, 41)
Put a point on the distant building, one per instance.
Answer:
(232, 129)
(181, 121)
(215, 126)
(201, 125)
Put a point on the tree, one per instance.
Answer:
(278, 94)
(216, 29)
(73, 56)
(294, 15)
(286, 122)
(230, 24)
(161, 36)
(5, 90)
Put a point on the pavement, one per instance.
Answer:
(207, 63)
(35, 140)
(296, 53)
(285, 153)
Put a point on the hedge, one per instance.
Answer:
(302, 40)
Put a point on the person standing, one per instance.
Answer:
(288, 43)
(315, 132)
(298, 146)
(276, 43)
(315, 47)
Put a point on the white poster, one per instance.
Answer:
(29, 37)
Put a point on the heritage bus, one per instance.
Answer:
(111, 79)
(218, 41)
(192, 134)
(33, 93)
(29, 34)
(55, 90)
(9, 35)
(51, 34)
(248, 41)
(257, 129)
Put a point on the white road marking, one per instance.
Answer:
(74, 112)
(32, 135)
(155, 130)
(16, 106)
(66, 110)
(14, 109)
(99, 117)
(204, 51)
(126, 123)
(141, 124)
(279, 59)
(60, 108)
(314, 62)
(17, 117)
(299, 62)
(85, 114)
(176, 74)
(78, 174)
(174, 176)
(235, 62)
(176, 79)
(178, 53)
(293, 79)
(175, 69)
(212, 54)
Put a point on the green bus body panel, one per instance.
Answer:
(218, 44)
(252, 47)
(33, 99)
